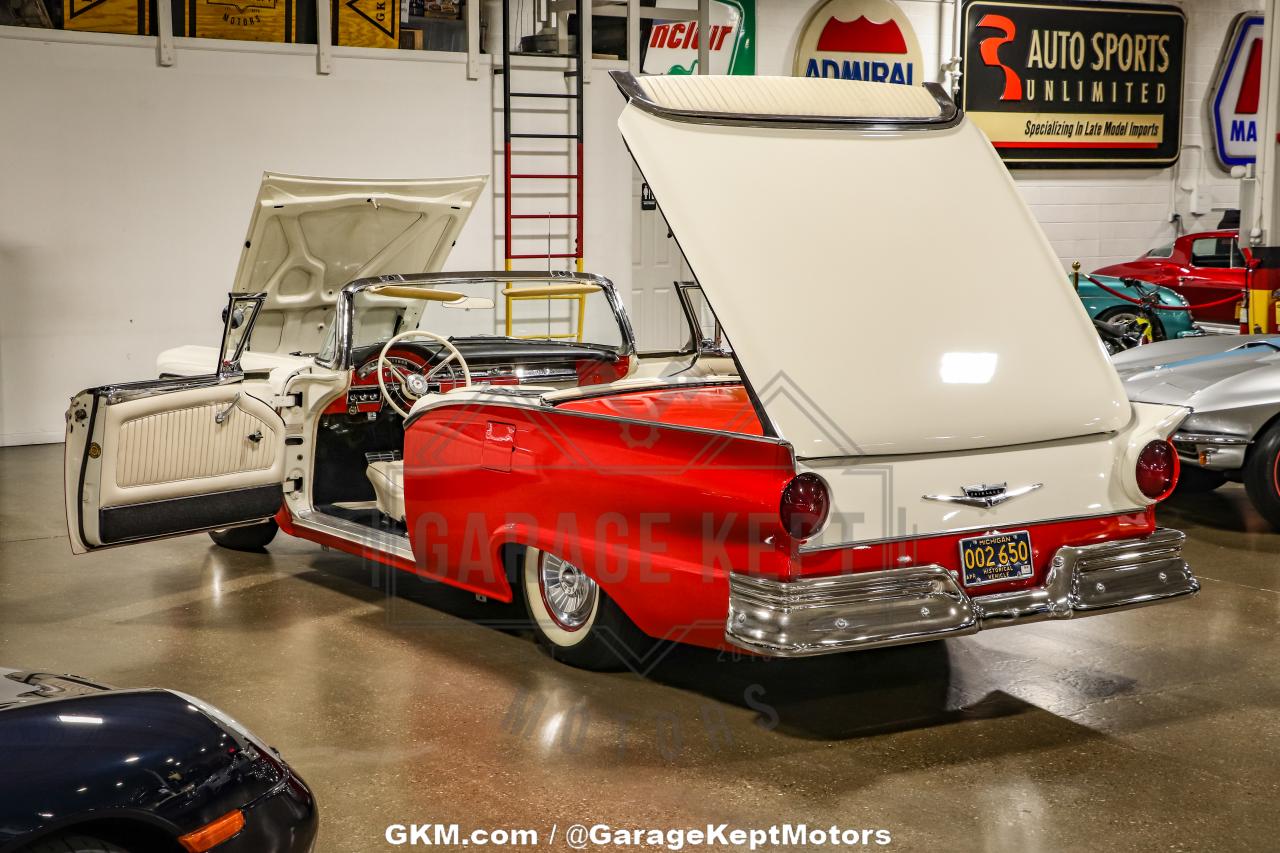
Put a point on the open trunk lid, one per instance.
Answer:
(884, 286)
(310, 236)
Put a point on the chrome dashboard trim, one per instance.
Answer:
(949, 115)
(890, 607)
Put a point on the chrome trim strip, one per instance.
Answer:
(377, 540)
(122, 392)
(949, 115)
(990, 525)
(1208, 438)
(813, 616)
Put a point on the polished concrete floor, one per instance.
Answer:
(1152, 730)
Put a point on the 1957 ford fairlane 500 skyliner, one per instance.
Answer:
(823, 484)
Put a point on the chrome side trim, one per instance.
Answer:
(949, 115)
(1208, 438)
(124, 391)
(891, 607)
(388, 543)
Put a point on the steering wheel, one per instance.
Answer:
(415, 386)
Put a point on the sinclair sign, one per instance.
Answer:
(1234, 104)
(672, 47)
(1071, 83)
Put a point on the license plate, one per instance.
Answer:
(996, 557)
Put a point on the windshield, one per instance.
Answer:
(569, 311)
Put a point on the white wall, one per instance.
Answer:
(1096, 216)
(126, 187)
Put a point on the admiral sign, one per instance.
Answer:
(1234, 110)
(859, 40)
(1073, 83)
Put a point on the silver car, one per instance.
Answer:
(1232, 385)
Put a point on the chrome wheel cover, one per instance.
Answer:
(569, 595)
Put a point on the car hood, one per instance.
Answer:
(868, 318)
(310, 236)
(1176, 372)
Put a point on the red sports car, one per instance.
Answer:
(1205, 268)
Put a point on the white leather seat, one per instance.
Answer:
(388, 485)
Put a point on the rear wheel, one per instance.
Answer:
(251, 537)
(1262, 475)
(73, 844)
(574, 619)
(1193, 480)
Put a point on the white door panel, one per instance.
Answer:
(160, 458)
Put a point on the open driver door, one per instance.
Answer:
(145, 460)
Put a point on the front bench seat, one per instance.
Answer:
(387, 478)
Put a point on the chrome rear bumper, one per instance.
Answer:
(817, 616)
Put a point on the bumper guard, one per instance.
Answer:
(815, 616)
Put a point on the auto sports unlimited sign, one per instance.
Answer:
(859, 40)
(1233, 100)
(1075, 84)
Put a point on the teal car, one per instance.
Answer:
(1158, 326)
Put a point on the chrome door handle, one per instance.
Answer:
(255, 436)
(221, 417)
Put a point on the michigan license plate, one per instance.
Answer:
(996, 557)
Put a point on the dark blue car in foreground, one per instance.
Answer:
(86, 768)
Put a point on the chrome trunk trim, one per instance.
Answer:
(814, 616)
(948, 116)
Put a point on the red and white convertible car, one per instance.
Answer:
(824, 484)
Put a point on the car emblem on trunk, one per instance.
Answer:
(984, 495)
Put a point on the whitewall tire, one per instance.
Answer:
(573, 618)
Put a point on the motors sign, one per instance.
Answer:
(1234, 96)
(1074, 83)
(859, 40)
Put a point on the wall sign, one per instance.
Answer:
(1075, 83)
(107, 16)
(673, 45)
(859, 40)
(247, 20)
(367, 23)
(1234, 96)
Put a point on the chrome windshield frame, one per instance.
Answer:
(344, 310)
(949, 115)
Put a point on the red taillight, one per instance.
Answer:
(1157, 470)
(805, 504)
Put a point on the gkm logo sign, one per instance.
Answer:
(859, 40)
(1235, 92)
(989, 50)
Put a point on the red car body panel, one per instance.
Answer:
(656, 513)
(1198, 284)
